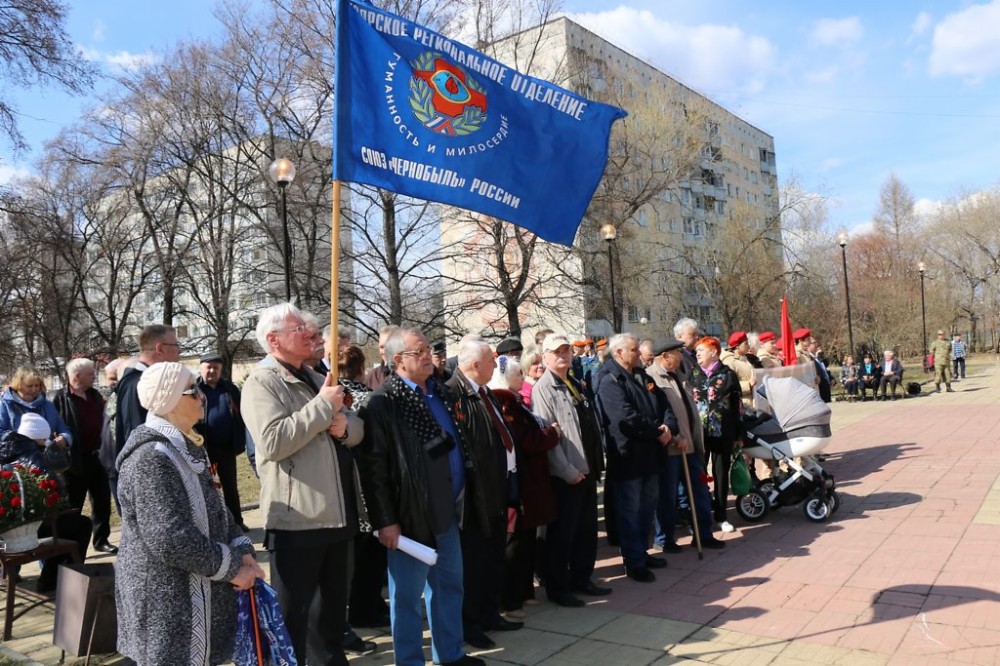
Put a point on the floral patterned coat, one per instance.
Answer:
(717, 396)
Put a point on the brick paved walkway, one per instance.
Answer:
(905, 573)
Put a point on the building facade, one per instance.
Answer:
(683, 174)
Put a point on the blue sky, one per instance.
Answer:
(851, 91)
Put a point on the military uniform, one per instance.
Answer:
(941, 351)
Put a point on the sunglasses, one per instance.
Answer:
(192, 391)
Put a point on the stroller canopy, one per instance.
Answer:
(793, 404)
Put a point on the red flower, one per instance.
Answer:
(2, 511)
(15, 502)
(15, 487)
(6, 474)
(35, 470)
(52, 499)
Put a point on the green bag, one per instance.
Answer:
(739, 476)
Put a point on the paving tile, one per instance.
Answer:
(652, 633)
(526, 646)
(587, 652)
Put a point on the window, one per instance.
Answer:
(633, 313)
(720, 206)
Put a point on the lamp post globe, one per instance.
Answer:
(609, 233)
(282, 172)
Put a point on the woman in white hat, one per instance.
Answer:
(182, 556)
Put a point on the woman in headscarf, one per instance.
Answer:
(182, 555)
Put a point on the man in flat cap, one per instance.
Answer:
(222, 428)
(689, 442)
(941, 351)
(511, 347)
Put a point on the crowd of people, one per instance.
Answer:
(492, 457)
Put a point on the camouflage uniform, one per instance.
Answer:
(941, 351)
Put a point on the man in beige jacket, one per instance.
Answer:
(308, 482)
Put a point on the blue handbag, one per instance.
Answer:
(261, 636)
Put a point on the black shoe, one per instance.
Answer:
(357, 645)
(670, 547)
(568, 601)
(951, 390)
(383, 620)
(503, 624)
(713, 543)
(641, 574)
(655, 562)
(45, 584)
(106, 547)
(475, 637)
(466, 660)
(592, 590)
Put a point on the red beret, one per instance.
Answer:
(602, 343)
(801, 334)
(579, 343)
(766, 336)
(737, 338)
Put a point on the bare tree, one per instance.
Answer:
(36, 50)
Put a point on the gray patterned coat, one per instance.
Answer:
(179, 546)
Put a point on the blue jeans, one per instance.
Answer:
(666, 510)
(441, 586)
(635, 503)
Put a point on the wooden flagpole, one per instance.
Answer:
(335, 282)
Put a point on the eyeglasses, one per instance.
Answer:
(301, 328)
(170, 344)
(423, 351)
(192, 391)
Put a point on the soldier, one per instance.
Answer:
(941, 351)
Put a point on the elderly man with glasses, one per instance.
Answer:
(302, 432)
(413, 471)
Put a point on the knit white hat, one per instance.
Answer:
(161, 385)
(34, 426)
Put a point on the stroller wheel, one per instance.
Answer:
(753, 506)
(817, 510)
(834, 501)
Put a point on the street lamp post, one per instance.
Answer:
(922, 267)
(847, 292)
(609, 233)
(282, 172)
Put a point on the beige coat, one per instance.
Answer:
(744, 372)
(300, 481)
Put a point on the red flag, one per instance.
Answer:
(787, 343)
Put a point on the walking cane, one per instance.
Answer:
(694, 512)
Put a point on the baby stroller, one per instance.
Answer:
(793, 423)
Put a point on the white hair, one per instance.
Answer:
(272, 319)
(506, 367)
(684, 324)
(395, 344)
(471, 350)
(618, 341)
(78, 364)
(753, 341)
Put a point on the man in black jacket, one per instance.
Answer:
(223, 429)
(492, 449)
(157, 344)
(413, 473)
(81, 407)
(639, 424)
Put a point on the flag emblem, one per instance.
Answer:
(445, 98)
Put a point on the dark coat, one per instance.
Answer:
(64, 405)
(237, 443)
(632, 409)
(875, 375)
(532, 443)
(131, 414)
(396, 470)
(485, 447)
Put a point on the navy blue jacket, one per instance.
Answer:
(632, 409)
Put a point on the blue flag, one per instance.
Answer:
(425, 116)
